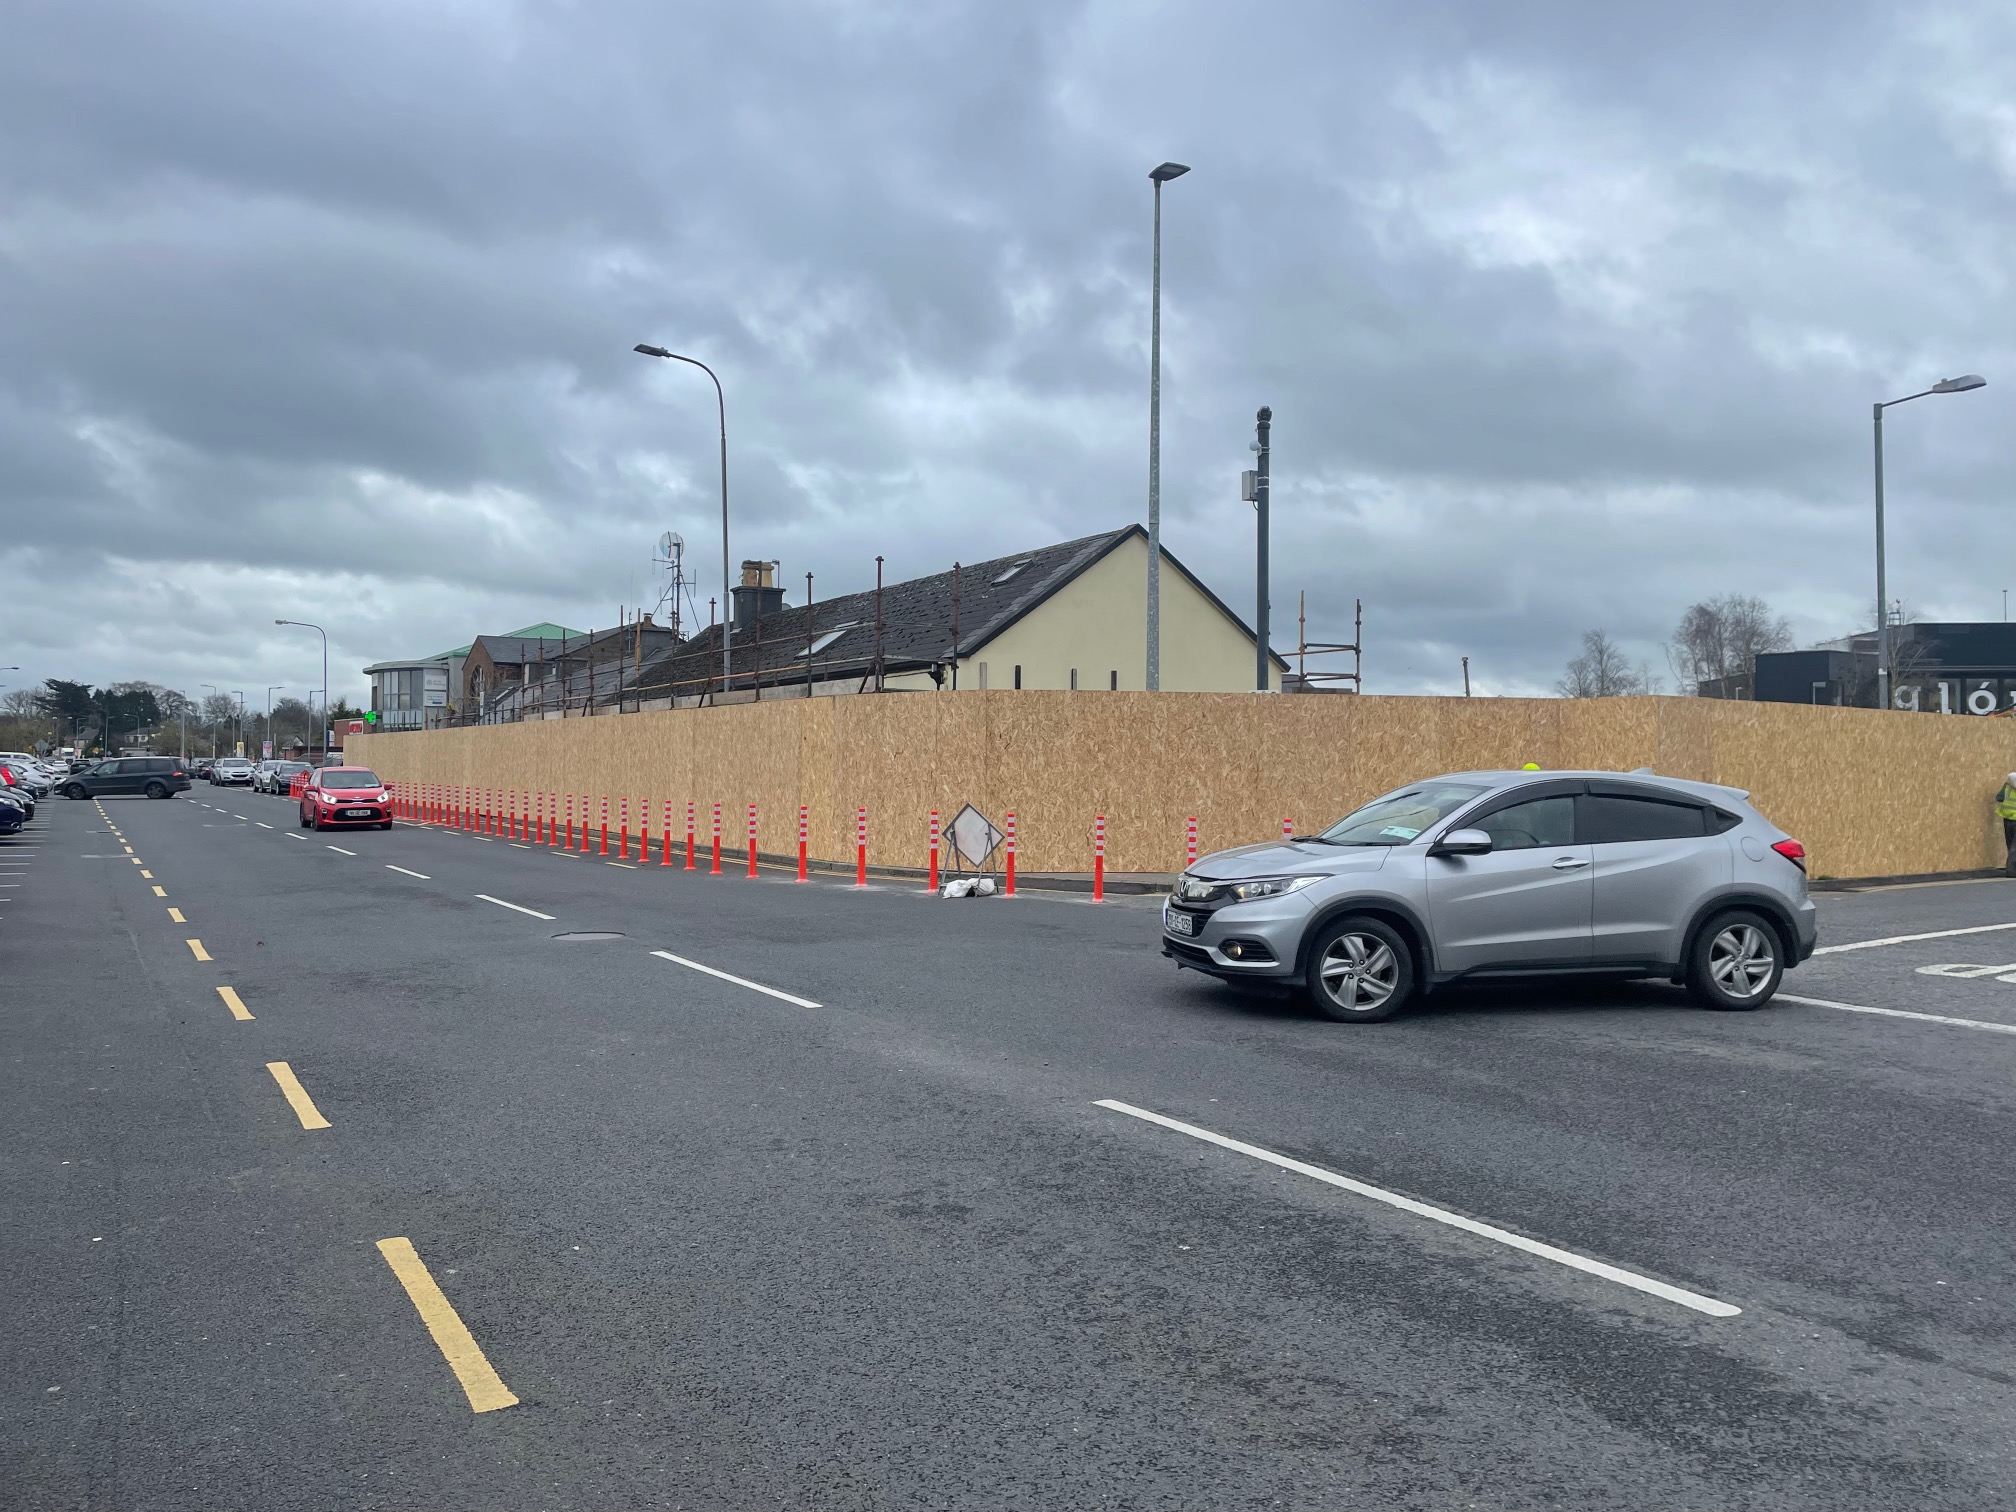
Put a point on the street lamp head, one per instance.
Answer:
(1959, 385)
(650, 351)
(1168, 171)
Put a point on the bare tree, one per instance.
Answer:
(1723, 637)
(1601, 671)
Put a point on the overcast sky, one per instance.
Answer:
(1570, 312)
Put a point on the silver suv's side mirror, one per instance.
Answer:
(1463, 842)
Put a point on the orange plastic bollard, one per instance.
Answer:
(1099, 860)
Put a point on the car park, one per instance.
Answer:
(129, 776)
(345, 797)
(231, 771)
(1481, 875)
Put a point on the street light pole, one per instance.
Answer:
(721, 404)
(1958, 385)
(322, 733)
(241, 720)
(276, 688)
(213, 728)
(1264, 444)
(1158, 176)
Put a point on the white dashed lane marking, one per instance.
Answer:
(515, 908)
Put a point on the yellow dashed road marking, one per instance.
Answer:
(485, 1390)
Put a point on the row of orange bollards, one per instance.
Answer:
(549, 819)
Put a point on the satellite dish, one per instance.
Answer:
(670, 545)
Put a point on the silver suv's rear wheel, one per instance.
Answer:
(1360, 970)
(1736, 962)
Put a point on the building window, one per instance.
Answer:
(1018, 675)
(1113, 682)
(1074, 679)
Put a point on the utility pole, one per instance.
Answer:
(1466, 677)
(1262, 671)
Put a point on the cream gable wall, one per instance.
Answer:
(1098, 624)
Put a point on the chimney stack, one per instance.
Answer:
(757, 594)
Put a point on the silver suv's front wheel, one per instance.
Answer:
(1736, 962)
(1360, 970)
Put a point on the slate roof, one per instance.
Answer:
(916, 621)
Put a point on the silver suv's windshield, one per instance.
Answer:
(1398, 817)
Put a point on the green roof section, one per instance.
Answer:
(544, 630)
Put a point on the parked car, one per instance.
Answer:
(231, 771)
(153, 776)
(1507, 874)
(13, 817)
(278, 776)
(200, 767)
(336, 797)
(29, 772)
(16, 796)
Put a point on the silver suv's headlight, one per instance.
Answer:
(1269, 887)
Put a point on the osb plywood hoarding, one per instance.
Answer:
(1870, 794)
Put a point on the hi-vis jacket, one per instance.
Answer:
(2005, 801)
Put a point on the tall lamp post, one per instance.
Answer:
(276, 688)
(322, 730)
(721, 404)
(240, 742)
(1158, 176)
(213, 728)
(1958, 385)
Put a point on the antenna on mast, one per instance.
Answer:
(671, 559)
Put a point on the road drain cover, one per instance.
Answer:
(589, 934)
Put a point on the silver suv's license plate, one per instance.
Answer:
(1179, 923)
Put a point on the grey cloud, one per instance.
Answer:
(1569, 312)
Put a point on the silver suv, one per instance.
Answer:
(1507, 874)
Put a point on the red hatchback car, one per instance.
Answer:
(338, 797)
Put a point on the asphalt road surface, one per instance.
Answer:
(333, 1175)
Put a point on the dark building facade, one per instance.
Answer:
(1937, 668)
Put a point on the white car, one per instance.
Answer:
(29, 772)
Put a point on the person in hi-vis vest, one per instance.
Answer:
(2005, 810)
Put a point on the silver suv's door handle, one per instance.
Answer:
(1570, 863)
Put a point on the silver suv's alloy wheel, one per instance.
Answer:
(1742, 960)
(1359, 972)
